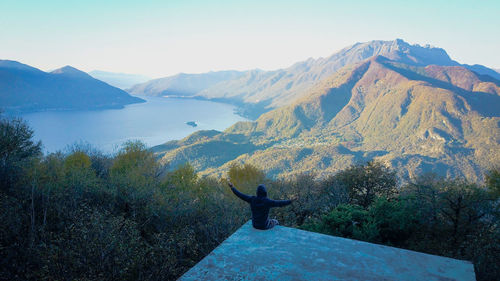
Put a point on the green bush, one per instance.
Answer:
(395, 220)
(345, 220)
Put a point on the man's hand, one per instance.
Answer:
(230, 184)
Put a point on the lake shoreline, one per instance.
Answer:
(245, 110)
(154, 122)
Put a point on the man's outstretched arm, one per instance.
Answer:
(281, 203)
(242, 196)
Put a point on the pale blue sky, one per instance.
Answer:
(160, 38)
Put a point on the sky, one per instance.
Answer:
(162, 38)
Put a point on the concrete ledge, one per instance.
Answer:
(284, 253)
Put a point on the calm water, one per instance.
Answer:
(154, 122)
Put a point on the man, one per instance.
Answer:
(260, 206)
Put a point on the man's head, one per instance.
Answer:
(261, 191)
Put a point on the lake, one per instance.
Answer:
(154, 122)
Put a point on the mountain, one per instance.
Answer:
(481, 69)
(415, 118)
(273, 89)
(25, 88)
(257, 92)
(71, 72)
(183, 84)
(120, 80)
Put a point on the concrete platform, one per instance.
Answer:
(284, 253)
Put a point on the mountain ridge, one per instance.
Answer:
(257, 92)
(70, 71)
(26, 89)
(123, 81)
(182, 84)
(414, 118)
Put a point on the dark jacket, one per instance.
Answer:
(260, 205)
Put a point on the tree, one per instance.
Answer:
(365, 182)
(463, 205)
(184, 176)
(493, 181)
(17, 148)
(311, 197)
(101, 162)
(395, 220)
(78, 173)
(457, 219)
(133, 176)
(246, 177)
(135, 166)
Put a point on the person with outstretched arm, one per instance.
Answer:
(260, 206)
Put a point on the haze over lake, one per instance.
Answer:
(154, 122)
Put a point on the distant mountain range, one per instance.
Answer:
(183, 84)
(120, 80)
(414, 109)
(260, 91)
(25, 88)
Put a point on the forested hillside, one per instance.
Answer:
(443, 119)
